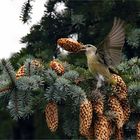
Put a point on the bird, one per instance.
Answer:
(101, 60)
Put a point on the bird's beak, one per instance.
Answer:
(82, 50)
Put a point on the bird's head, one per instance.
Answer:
(90, 49)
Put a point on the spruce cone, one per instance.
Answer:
(98, 102)
(117, 110)
(51, 114)
(36, 63)
(101, 128)
(138, 131)
(85, 116)
(70, 45)
(57, 67)
(20, 72)
(98, 106)
(120, 87)
(126, 109)
(119, 134)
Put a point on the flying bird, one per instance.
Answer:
(107, 54)
(102, 59)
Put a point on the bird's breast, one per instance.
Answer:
(96, 67)
(92, 63)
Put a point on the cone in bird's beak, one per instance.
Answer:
(70, 45)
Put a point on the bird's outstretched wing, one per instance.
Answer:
(110, 49)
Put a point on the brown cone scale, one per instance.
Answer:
(51, 115)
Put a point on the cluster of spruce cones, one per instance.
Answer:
(21, 71)
(94, 121)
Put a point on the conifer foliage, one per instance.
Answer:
(18, 87)
(26, 11)
(85, 112)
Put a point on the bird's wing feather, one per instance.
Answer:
(111, 47)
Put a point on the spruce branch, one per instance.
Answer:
(71, 75)
(20, 104)
(33, 67)
(50, 76)
(27, 103)
(71, 118)
(130, 71)
(10, 71)
(13, 105)
(134, 88)
(29, 70)
(26, 11)
(31, 83)
(133, 38)
(6, 89)
(16, 102)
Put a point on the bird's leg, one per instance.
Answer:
(100, 79)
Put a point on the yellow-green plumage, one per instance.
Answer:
(95, 66)
(108, 52)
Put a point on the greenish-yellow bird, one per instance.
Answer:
(107, 54)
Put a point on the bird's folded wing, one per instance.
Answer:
(110, 49)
